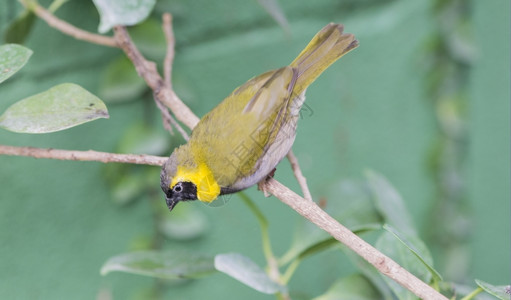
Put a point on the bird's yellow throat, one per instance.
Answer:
(207, 187)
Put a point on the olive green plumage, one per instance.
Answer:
(242, 139)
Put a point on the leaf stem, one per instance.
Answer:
(299, 175)
(55, 5)
(263, 223)
(273, 266)
(472, 294)
(291, 270)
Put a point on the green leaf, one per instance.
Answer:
(370, 272)
(247, 272)
(184, 223)
(329, 242)
(502, 292)
(19, 29)
(144, 242)
(12, 58)
(351, 204)
(390, 204)
(143, 139)
(121, 12)
(161, 264)
(55, 5)
(400, 253)
(318, 247)
(129, 187)
(61, 107)
(120, 82)
(411, 253)
(305, 236)
(418, 248)
(348, 202)
(354, 287)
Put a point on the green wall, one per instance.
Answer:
(58, 223)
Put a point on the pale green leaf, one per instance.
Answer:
(371, 273)
(390, 204)
(305, 236)
(61, 107)
(247, 272)
(418, 248)
(349, 203)
(354, 287)
(387, 244)
(502, 292)
(329, 242)
(161, 264)
(12, 58)
(122, 12)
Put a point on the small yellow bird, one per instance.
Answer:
(239, 142)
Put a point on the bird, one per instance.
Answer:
(240, 141)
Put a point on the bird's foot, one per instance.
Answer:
(261, 185)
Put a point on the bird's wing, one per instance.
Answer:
(238, 131)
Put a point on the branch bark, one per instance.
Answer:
(89, 155)
(147, 70)
(299, 175)
(67, 28)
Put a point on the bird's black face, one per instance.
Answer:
(181, 191)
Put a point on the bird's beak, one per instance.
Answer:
(171, 203)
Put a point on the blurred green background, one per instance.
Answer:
(424, 101)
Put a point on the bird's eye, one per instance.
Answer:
(178, 188)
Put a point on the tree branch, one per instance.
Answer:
(299, 175)
(67, 28)
(312, 212)
(169, 121)
(90, 155)
(147, 70)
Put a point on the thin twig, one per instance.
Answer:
(383, 263)
(169, 56)
(67, 28)
(174, 123)
(165, 116)
(90, 155)
(148, 71)
(169, 121)
(302, 181)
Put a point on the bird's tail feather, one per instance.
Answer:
(324, 49)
